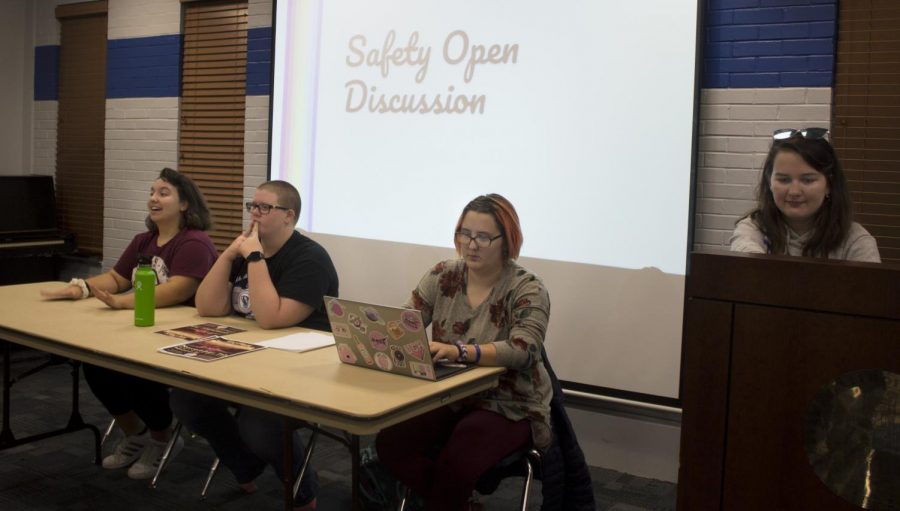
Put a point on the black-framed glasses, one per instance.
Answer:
(810, 133)
(263, 208)
(481, 239)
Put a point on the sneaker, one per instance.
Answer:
(127, 451)
(146, 467)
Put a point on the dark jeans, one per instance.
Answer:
(122, 393)
(471, 442)
(244, 444)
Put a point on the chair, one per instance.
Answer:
(308, 456)
(176, 430)
(524, 462)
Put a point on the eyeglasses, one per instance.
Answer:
(481, 239)
(263, 208)
(809, 133)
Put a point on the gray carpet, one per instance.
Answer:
(58, 473)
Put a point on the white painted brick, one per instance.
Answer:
(712, 237)
(727, 191)
(708, 175)
(743, 177)
(728, 96)
(803, 112)
(701, 247)
(731, 160)
(724, 206)
(259, 13)
(759, 145)
(752, 112)
(143, 18)
(712, 143)
(719, 222)
(786, 96)
(726, 128)
(818, 96)
(714, 112)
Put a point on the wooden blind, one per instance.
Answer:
(866, 127)
(211, 139)
(81, 125)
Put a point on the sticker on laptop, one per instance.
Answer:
(357, 323)
(421, 370)
(371, 314)
(396, 331)
(416, 351)
(346, 353)
(398, 356)
(379, 340)
(336, 308)
(383, 361)
(411, 321)
(341, 330)
(364, 352)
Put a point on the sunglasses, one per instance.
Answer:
(808, 133)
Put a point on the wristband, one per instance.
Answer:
(85, 290)
(463, 353)
(477, 353)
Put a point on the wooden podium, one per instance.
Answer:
(763, 336)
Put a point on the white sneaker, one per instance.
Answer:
(127, 451)
(146, 467)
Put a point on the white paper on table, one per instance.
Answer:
(303, 341)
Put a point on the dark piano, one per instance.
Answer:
(30, 240)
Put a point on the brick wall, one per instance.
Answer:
(768, 64)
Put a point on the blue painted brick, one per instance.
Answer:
(770, 64)
(716, 81)
(714, 18)
(46, 73)
(810, 79)
(732, 4)
(758, 16)
(782, 3)
(808, 47)
(821, 63)
(823, 2)
(259, 39)
(755, 80)
(144, 67)
(732, 33)
(784, 31)
(811, 13)
(259, 61)
(822, 29)
(744, 65)
(714, 50)
(757, 48)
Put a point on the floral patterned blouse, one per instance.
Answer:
(514, 318)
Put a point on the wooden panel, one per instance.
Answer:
(866, 127)
(81, 126)
(82, 9)
(211, 135)
(781, 360)
(704, 390)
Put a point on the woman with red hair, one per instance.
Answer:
(485, 309)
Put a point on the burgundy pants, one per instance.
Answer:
(440, 455)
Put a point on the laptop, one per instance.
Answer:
(384, 338)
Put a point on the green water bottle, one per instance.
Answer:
(144, 293)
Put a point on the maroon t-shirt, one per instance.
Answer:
(189, 254)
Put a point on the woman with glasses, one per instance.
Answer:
(277, 276)
(803, 206)
(182, 253)
(484, 309)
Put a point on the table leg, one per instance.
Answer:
(6, 434)
(354, 472)
(288, 480)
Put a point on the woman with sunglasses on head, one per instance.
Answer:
(277, 276)
(182, 253)
(484, 309)
(803, 205)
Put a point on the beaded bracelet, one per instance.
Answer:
(463, 353)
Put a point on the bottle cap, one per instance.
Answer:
(145, 260)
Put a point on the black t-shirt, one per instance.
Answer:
(302, 270)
